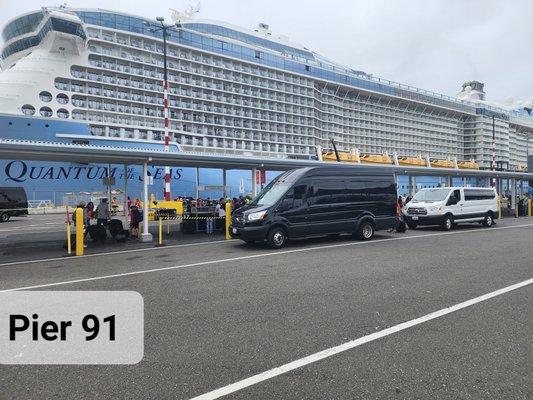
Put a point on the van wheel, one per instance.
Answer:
(276, 238)
(365, 230)
(4, 217)
(488, 221)
(412, 225)
(447, 224)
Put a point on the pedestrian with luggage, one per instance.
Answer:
(135, 219)
(102, 212)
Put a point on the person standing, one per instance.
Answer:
(90, 212)
(135, 218)
(114, 206)
(102, 212)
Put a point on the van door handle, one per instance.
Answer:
(461, 204)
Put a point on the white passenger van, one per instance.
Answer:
(448, 206)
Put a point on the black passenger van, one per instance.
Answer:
(13, 203)
(319, 201)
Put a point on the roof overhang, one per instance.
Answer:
(93, 154)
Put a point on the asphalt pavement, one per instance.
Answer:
(219, 312)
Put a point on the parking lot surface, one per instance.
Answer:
(217, 313)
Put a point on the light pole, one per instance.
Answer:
(493, 166)
(164, 28)
(528, 110)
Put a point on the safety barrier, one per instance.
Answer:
(180, 218)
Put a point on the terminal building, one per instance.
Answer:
(237, 91)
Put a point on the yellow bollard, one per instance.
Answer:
(69, 242)
(79, 231)
(499, 207)
(529, 207)
(516, 210)
(228, 219)
(160, 231)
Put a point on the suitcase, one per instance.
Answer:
(115, 227)
(117, 231)
(97, 233)
(402, 227)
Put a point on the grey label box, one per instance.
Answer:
(71, 327)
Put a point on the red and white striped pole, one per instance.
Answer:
(165, 110)
(167, 138)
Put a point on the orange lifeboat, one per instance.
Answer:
(436, 163)
(344, 156)
(412, 161)
(376, 159)
(468, 164)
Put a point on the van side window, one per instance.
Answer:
(296, 196)
(328, 192)
(479, 194)
(300, 192)
(371, 190)
(457, 194)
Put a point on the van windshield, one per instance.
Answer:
(271, 193)
(430, 195)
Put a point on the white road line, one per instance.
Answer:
(253, 256)
(110, 253)
(234, 387)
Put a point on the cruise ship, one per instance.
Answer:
(73, 73)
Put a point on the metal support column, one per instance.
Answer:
(125, 205)
(224, 183)
(254, 184)
(449, 181)
(512, 190)
(412, 185)
(109, 184)
(145, 236)
(197, 183)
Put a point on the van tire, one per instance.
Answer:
(277, 237)
(4, 217)
(365, 230)
(447, 223)
(412, 225)
(488, 221)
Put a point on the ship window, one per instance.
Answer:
(28, 109)
(45, 96)
(62, 113)
(46, 111)
(62, 98)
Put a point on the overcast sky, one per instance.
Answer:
(432, 44)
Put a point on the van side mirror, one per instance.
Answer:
(285, 205)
